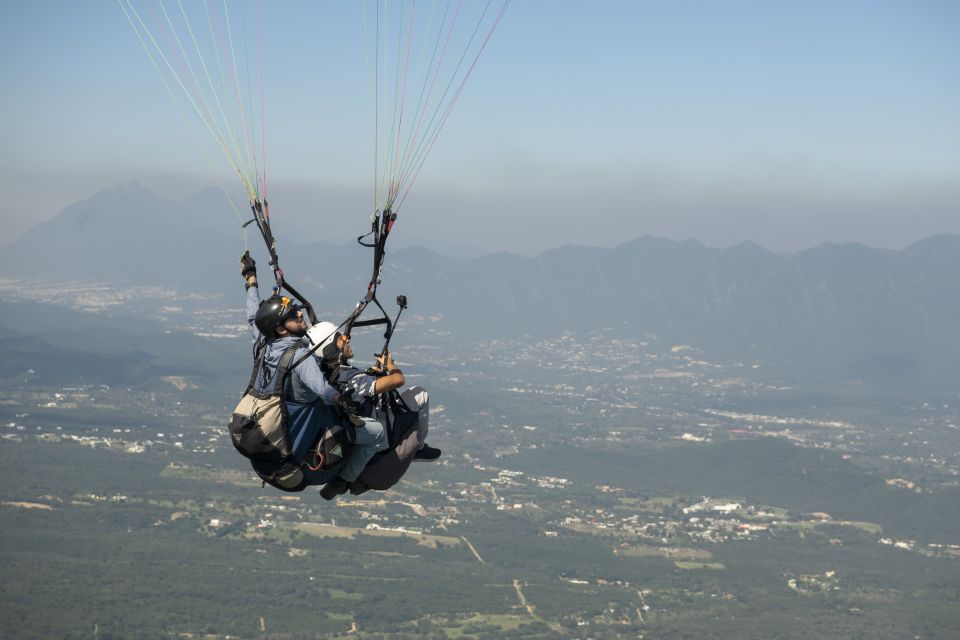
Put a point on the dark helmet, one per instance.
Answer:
(272, 313)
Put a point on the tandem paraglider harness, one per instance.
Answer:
(261, 425)
(260, 431)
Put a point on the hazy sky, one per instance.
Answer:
(785, 123)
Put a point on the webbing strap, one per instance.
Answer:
(368, 323)
(381, 224)
(283, 369)
(261, 216)
(260, 350)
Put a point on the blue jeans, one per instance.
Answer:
(370, 438)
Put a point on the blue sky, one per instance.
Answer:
(785, 123)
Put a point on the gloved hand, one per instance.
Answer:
(248, 266)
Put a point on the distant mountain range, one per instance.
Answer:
(876, 313)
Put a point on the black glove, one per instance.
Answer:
(248, 266)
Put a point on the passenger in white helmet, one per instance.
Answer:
(359, 388)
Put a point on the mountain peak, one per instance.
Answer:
(131, 187)
(120, 190)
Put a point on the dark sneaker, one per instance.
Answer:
(357, 487)
(334, 488)
(427, 453)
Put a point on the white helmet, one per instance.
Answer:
(323, 334)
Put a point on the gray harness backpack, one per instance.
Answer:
(261, 428)
(258, 429)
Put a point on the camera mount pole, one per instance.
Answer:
(402, 303)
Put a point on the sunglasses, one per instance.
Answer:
(288, 309)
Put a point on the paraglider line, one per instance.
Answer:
(263, 126)
(453, 102)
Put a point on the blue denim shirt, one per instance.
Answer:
(307, 381)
